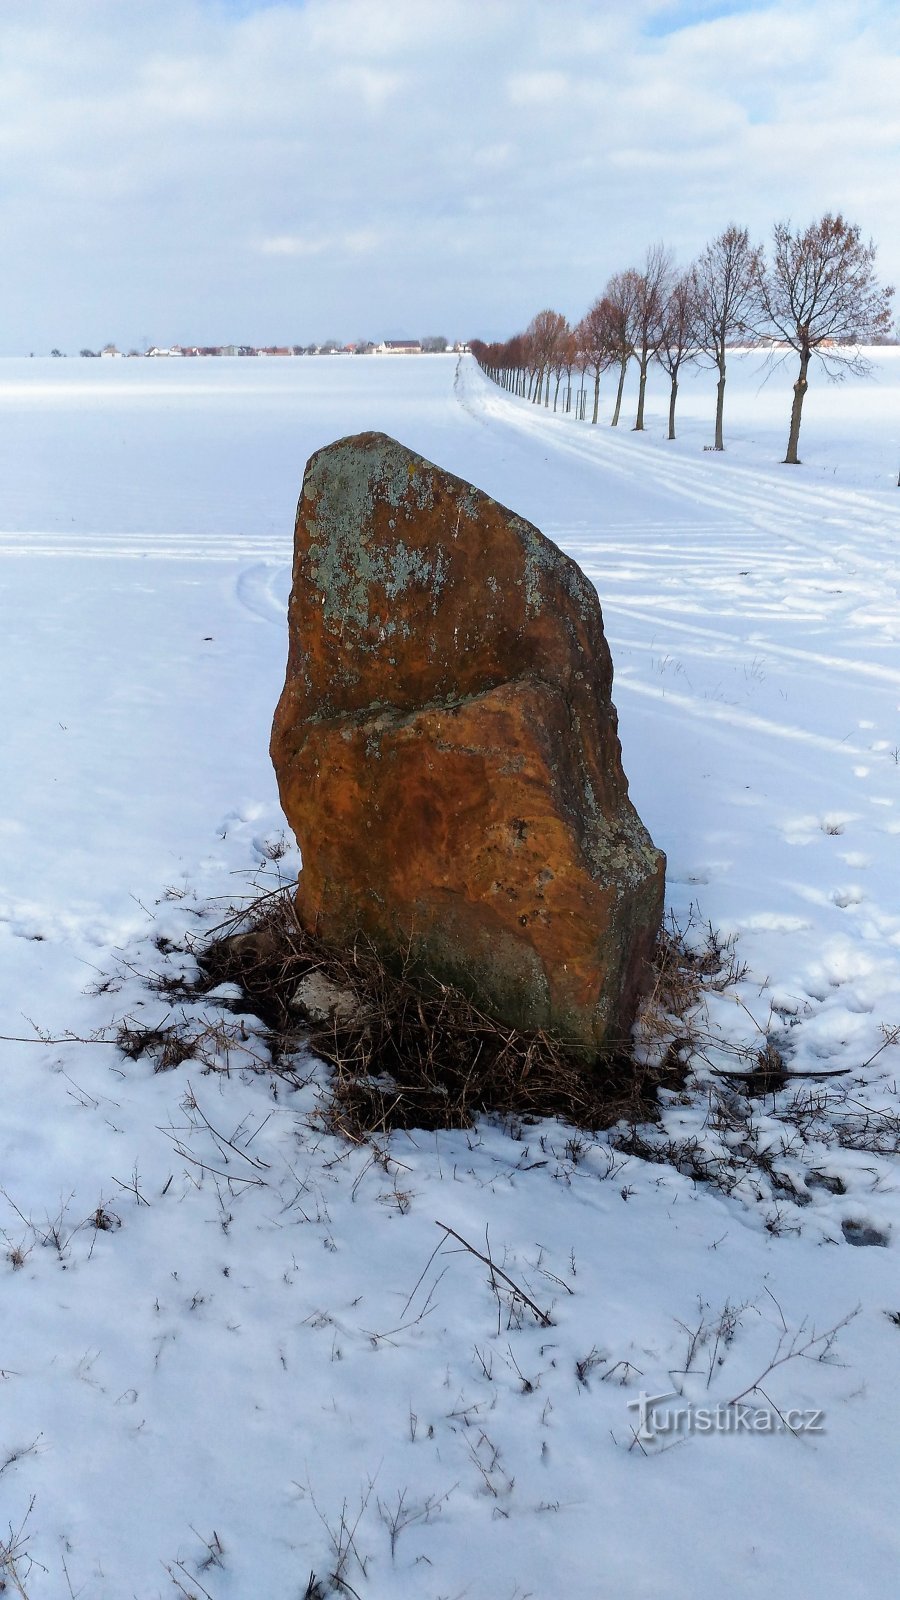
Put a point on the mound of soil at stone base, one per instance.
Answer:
(409, 1051)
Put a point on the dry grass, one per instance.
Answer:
(690, 963)
(407, 1050)
(15, 1562)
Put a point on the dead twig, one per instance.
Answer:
(497, 1272)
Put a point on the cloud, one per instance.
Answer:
(537, 88)
(286, 244)
(356, 242)
(202, 170)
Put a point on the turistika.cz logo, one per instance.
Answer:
(658, 1420)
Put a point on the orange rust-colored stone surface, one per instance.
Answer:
(446, 747)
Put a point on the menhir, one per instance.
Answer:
(446, 748)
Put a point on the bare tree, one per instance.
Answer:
(529, 369)
(516, 361)
(559, 358)
(546, 331)
(821, 297)
(596, 341)
(582, 360)
(569, 359)
(622, 294)
(726, 279)
(654, 284)
(677, 341)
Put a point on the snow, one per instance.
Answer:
(255, 1362)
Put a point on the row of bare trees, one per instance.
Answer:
(816, 293)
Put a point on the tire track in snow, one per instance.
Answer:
(739, 719)
(263, 590)
(141, 547)
(797, 513)
(727, 644)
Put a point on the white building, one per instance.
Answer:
(399, 347)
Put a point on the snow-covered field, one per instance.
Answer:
(230, 1359)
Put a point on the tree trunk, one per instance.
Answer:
(720, 401)
(673, 396)
(596, 394)
(800, 387)
(642, 387)
(622, 365)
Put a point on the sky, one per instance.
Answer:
(229, 171)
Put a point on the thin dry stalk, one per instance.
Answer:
(497, 1272)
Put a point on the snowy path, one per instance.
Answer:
(242, 1356)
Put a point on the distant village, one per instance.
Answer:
(331, 347)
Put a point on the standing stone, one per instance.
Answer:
(446, 748)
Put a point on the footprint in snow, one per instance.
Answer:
(233, 821)
(271, 846)
(858, 1232)
(775, 922)
(826, 1180)
(803, 830)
